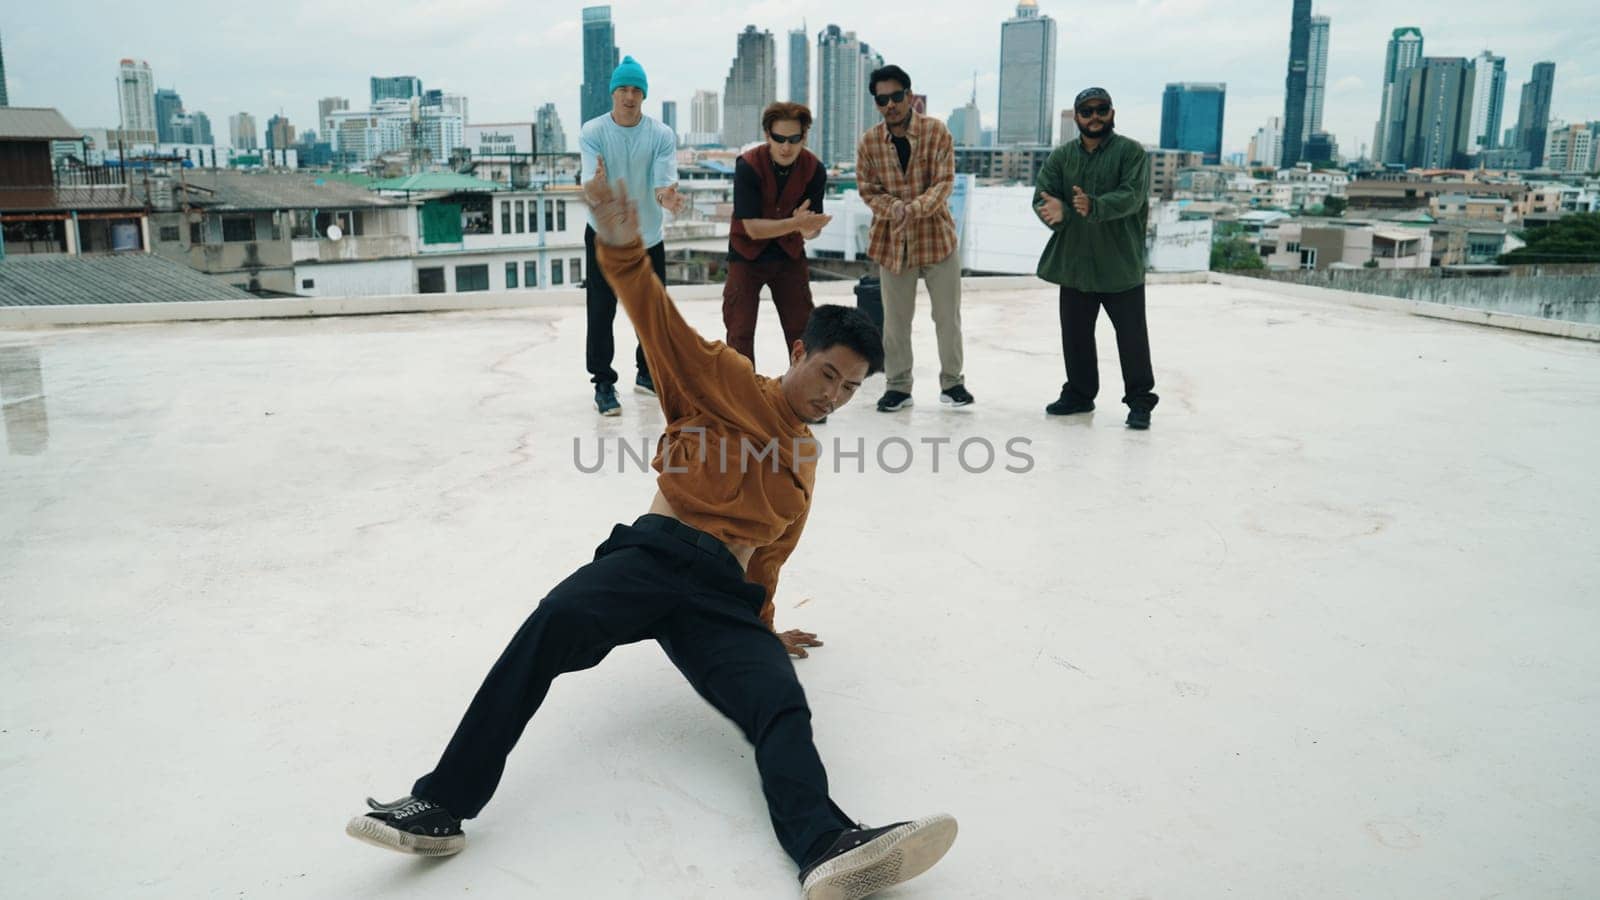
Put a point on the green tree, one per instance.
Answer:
(1235, 254)
(1570, 239)
(1334, 206)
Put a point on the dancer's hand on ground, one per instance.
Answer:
(808, 223)
(795, 641)
(1050, 210)
(616, 219)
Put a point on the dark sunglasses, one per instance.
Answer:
(787, 138)
(1099, 110)
(886, 99)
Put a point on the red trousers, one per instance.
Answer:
(789, 282)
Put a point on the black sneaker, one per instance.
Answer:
(644, 384)
(956, 396)
(893, 401)
(605, 400)
(409, 825)
(1069, 404)
(1139, 419)
(864, 861)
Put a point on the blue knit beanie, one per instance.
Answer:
(630, 74)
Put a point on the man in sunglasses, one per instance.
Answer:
(1094, 192)
(777, 207)
(905, 167)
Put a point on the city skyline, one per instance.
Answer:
(483, 56)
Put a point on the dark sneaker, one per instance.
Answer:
(1139, 419)
(864, 861)
(1069, 404)
(956, 396)
(409, 825)
(644, 384)
(894, 401)
(605, 400)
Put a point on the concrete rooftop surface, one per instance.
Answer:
(1326, 631)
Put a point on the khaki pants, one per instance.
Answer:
(900, 302)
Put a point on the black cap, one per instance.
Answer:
(1094, 93)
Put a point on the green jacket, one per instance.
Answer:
(1104, 251)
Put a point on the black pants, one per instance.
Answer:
(602, 302)
(655, 579)
(1079, 311)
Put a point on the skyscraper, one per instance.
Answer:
(966, 125)
(752, 84)
(600, 58)
(4, 99)
(137, 96)
(669, 114)
(704, 111)
(242, 131)
(1266, 148)
(1191, 118)
(326, 106)
(1316, 74)
(1405, 51)
(200, 129)
(1488, 101)
(169, 106)
(1027, 76)
(396, 87)
(1294, 83)
(280, 134)
(549, 136)
(1533, 115)
(800, 66)
(841, 87)
(1438, 112)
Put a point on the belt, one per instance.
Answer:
(690, 535)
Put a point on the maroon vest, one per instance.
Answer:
(773, 206)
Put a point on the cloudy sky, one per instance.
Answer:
(509, 57)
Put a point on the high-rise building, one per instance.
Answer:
(841, 85)
(280, 134)
(1438, 112)
(800, 66)
(454, 104)
(600, 59)
(1191, 118)
(326, 106)
(752, 83)
(549, 136)
(705, 112)
(1405, 51)
(669, 115)
(200, 129)
(169, 106)
(1571, 148)
(1488, 101)
(1316, 74)
(1266, 148)
(137, 96)
(242, 131)
(1320, 148)
(1069, 127)
(5, 100)
(871, 61)
(1533, 114)
(395, 87)
(1294, 83)
(966, 125)
(1027, 76)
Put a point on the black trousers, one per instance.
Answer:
(601, 344)
(663, 580)
(1079, 310)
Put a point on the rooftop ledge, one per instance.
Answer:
(1326, 630)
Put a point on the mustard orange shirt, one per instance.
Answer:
(735, 461)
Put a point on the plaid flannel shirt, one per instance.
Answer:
(929, 233)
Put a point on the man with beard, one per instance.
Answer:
(1094, 192)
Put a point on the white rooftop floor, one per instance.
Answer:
(1328, 630)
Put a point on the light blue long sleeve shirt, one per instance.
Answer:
(645, 156)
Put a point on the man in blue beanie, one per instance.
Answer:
(628, 146)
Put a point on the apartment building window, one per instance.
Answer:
(170, 234)
(238, 228)
(530, 274)
(575, 269)
(549, 216)
(555, 271)
(511, 275)
(518, 218)
(561, 215)
(505, 216)
(472, 278)
(1308, 258)
(430, 280)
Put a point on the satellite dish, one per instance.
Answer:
(335, 232)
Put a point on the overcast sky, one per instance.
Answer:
(510, 57)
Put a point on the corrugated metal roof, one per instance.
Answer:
(61, 280)
(219, 189)
(35, 123)
(437, 181)
(67, 199)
